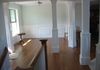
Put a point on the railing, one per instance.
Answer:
(45, 50)
(3, 56)
(39, 59)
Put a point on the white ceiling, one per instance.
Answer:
(34, 2)
(30, 3)
(40, 0)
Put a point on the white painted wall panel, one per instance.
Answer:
(37, 20)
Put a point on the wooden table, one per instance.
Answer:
(28, 51)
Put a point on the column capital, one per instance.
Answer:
(53, 1)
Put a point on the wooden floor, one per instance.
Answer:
(67, 59)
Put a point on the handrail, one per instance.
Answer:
(43, 42)
(44, 45)
(36, 56)
(3, 56)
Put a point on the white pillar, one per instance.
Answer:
(71, 25)
(85, 34)
(55, 39)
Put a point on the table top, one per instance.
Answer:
(27, 52)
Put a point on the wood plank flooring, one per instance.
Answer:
(67, 59)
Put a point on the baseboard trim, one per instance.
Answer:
(55, 50)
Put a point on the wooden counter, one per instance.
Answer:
(28, 52)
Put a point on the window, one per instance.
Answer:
(14, 21)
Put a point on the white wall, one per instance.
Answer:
(37, 20)
(78, 19)
(3, 39)
(18, 7)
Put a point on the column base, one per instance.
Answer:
(71, 45)
(85, 49)
(55, 50)
(84, 60)
(55, 45)
(55, 41)
(72, 38)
